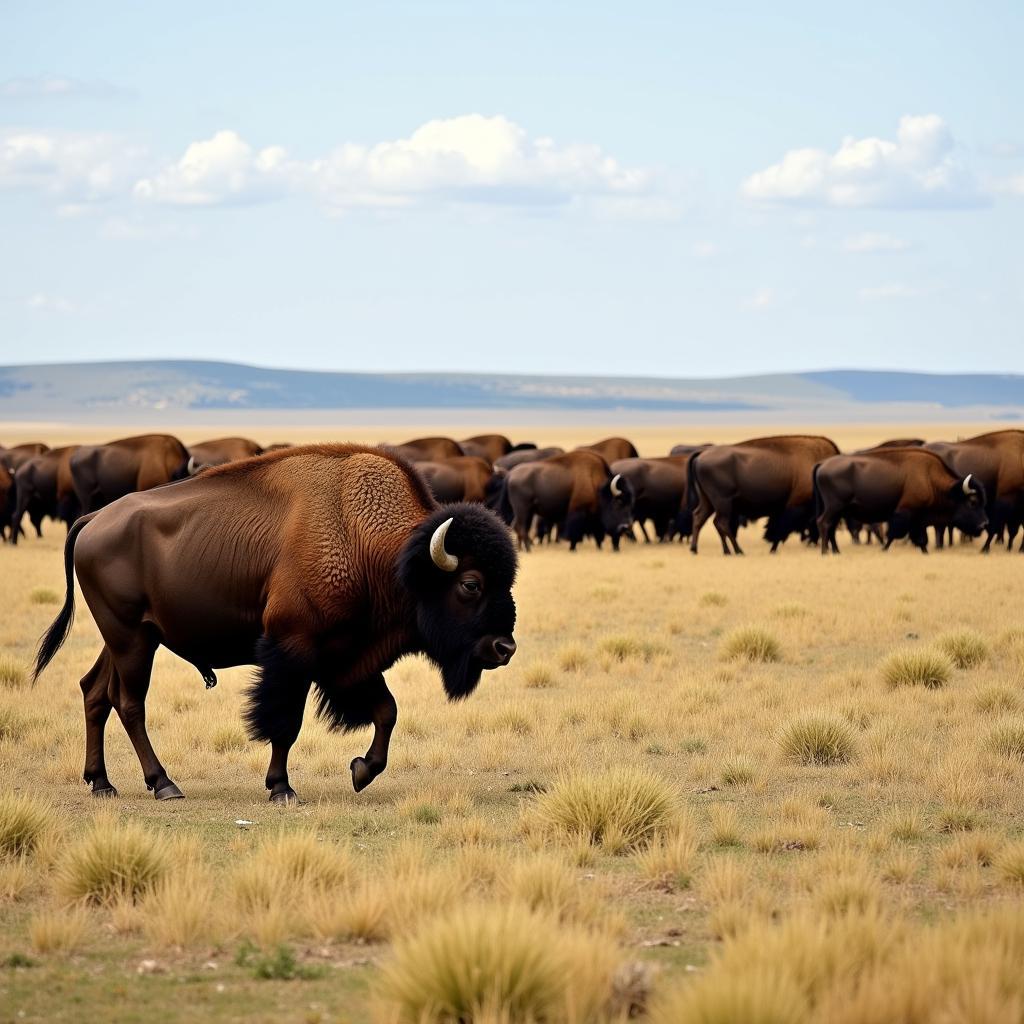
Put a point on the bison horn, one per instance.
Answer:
(192, 467)
(967, 485)
(616, 489)
(441, 558)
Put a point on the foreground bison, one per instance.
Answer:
(575, 492)
(322, 565)
(768, 476)
(908, 488)
(102, 473)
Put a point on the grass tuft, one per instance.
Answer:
(58, 931)
(818, 739)
(24, 822)
(12, 673)
(751, 643)
(44, 595)
(965, 648)
(112, 861)
(619, 809)
(930, 669)
(1007, 739)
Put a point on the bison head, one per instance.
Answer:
(616, 505)
(969, 514)
(459, 565)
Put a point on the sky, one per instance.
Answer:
(667, 189)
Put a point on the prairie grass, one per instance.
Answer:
(1007, 739)
(24, 823)
(58, 931)
(12, 673)
(751, 643)
(619, 809)
(930, 669)
(965, 648)
(818, 739)
(44, 595)
(114, 860)
(668, 861)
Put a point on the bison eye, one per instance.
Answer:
(470, 586)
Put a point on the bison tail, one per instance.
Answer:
(692, 486)
(54, 637)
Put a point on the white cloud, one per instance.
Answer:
(1013, 186)
(48, 87)
(223, 170)
(889, 291)
(923, 167)
(42, 302)
(875, 241)
(762, 298)
(467, 159)
(74, 169)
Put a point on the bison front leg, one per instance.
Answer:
(383, 714)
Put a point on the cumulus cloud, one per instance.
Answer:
(923, 167)
(467, 159)
(72, 168)
(875, 241)
(55, 87)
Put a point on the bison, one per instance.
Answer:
(463, 478)
(8, 497)
(997, 461)
(908, 488)
(13, 457)
(611, 449)
(659, 493)
(220, 450)
(322, 565)
(492, 446)
(518, 457)
(44, 488)
(767, 476)
(575, 492)
(103, 473)
(428, 449)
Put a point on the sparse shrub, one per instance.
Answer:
(572, 659)
(725, 825)
(112, 861)
(996, 698)
(486, 963)
(58, 931)
(539, 677)
(737, 773)
(1007, 739)
(1010, 863)
(818, 739)
(930, 669)
(751, 643)
(713, 599)
(12, 673)
(667, 861)
(965, 648)
(181, 910)
(280, 964)
(24, 821)
(622, 807)
(628, 648)
(44, 595)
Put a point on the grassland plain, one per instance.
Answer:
(709, 789)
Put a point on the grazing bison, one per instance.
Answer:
(428, 449)
(463, 478)
(518, 457)
(219, 451)
(687, 449)
(105, 472)
(611, 449)
(767, 476)
(997, 461)
(322, 565)
(492, 446)
(908, 488)
(575, 492)
(8, 497)
(497, 487)
(659, 493)
(44, 488)
(14, 457)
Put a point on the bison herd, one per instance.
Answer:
(798, 484)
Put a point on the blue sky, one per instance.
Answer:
(649, 188)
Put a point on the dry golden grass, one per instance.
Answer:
(884, 885)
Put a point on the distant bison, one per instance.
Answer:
(492, 446)
(767, 476)
(908, 488)
(659, 493)
(575, 492)
(463, 478)
(428, 449)
(611, 449)
(323, 565)
(103, 473)
(44, 487)
(220, 450)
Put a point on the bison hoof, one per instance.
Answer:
(285, 797)
(104, 792)
(362, 774)
(169, 792)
